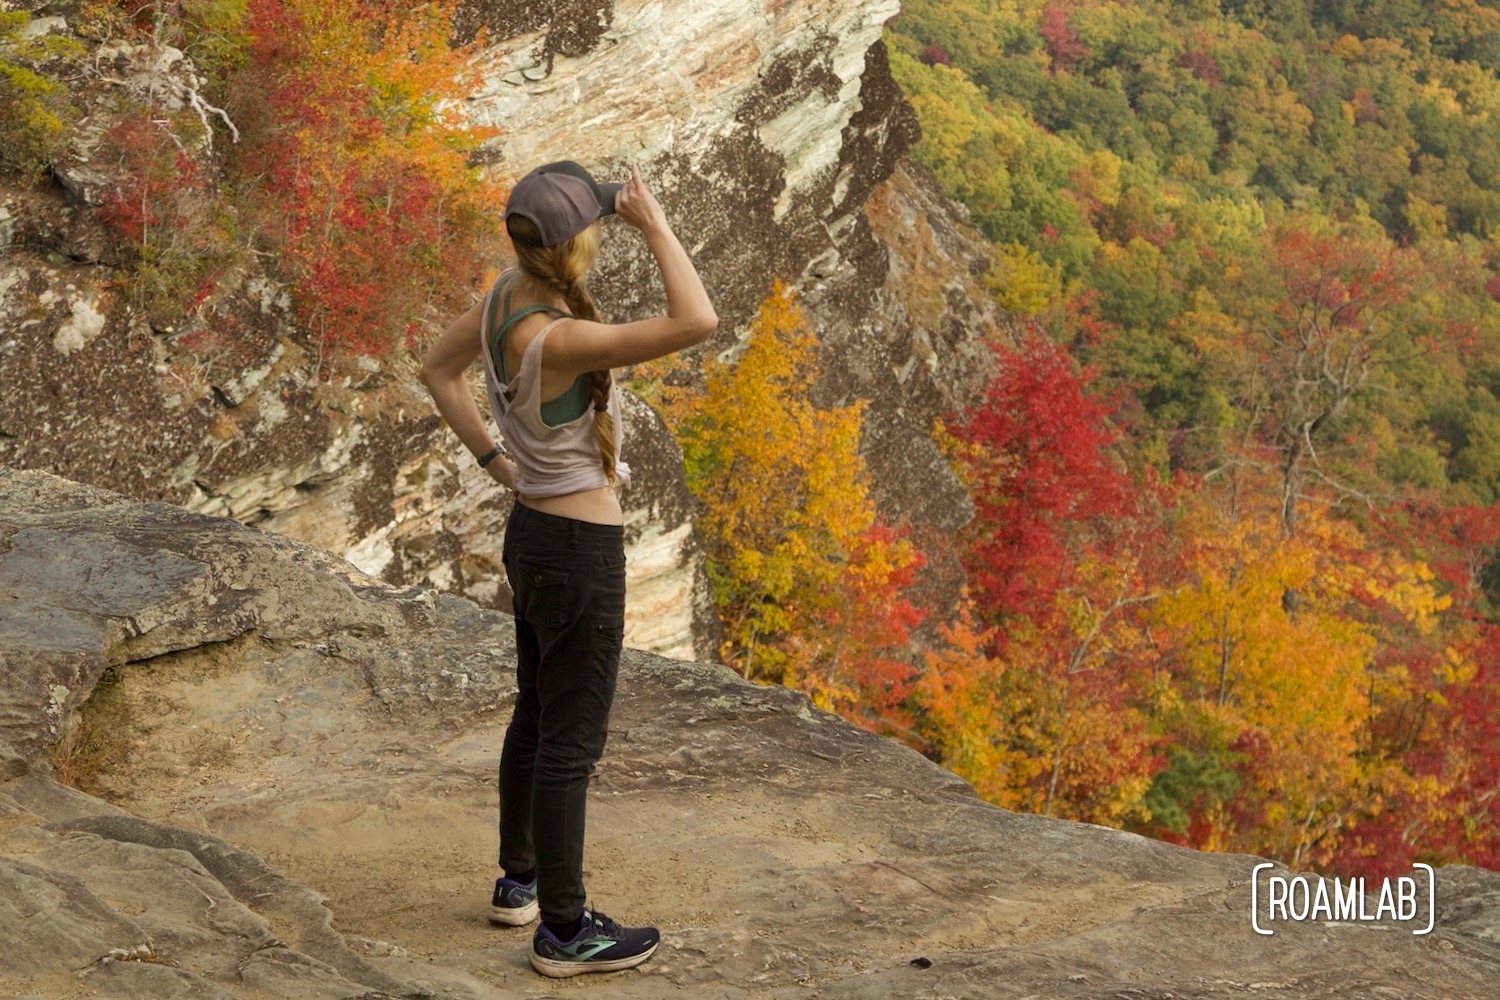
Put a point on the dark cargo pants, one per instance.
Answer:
(568, 577)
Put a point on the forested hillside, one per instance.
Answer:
(1234, 565)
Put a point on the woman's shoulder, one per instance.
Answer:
(527, 341)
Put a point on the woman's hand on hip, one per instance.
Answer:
(503, 471)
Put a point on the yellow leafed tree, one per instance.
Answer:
(1274, 669)
(789, 528)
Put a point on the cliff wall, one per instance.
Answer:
(774, 135)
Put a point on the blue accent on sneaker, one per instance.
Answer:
(514, 903)
(600, 946)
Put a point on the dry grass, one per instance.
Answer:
(99, 737)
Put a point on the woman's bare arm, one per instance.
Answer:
(579, 346)
(445, 374)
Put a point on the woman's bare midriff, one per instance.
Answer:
(599, 506)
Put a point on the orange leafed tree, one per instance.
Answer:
(1269, 674)
(1290, 658)
(969, 703)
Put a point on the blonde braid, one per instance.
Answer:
(562, 268)
(581, 304)
(604, 424)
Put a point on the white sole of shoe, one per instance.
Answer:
(562, 970)
(518, 917)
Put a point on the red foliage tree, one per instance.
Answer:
(1061, 557)
(1044, 481)
(1203, 66)
(153, 181)
(935, 55)
(1063, 43)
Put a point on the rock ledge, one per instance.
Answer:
(291, 768)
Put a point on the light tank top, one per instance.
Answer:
(551, 461)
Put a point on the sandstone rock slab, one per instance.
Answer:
(299, 801)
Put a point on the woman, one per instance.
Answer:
(547, 363)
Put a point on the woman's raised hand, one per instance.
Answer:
(690, 318)
(638, 206)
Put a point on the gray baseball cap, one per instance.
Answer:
(562, 199)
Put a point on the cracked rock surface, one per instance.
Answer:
(282, 785)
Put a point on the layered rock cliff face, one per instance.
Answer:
(774, 136)
(290, 793)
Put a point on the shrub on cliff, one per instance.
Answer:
(35, 110)
(338, 154)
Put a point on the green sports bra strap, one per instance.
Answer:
(497, 339)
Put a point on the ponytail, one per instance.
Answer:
(581, 305)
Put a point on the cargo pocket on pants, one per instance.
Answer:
(609, 636)
(548, 605)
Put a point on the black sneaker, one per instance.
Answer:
(600, 946)
(514, 903)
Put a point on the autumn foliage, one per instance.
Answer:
(1235, 565)
(1169, 654)
(1044, 482)
(807, 581)
(1170, 658)
(1056, 557)
(359, 161)
(166, 203)
(334, 147)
